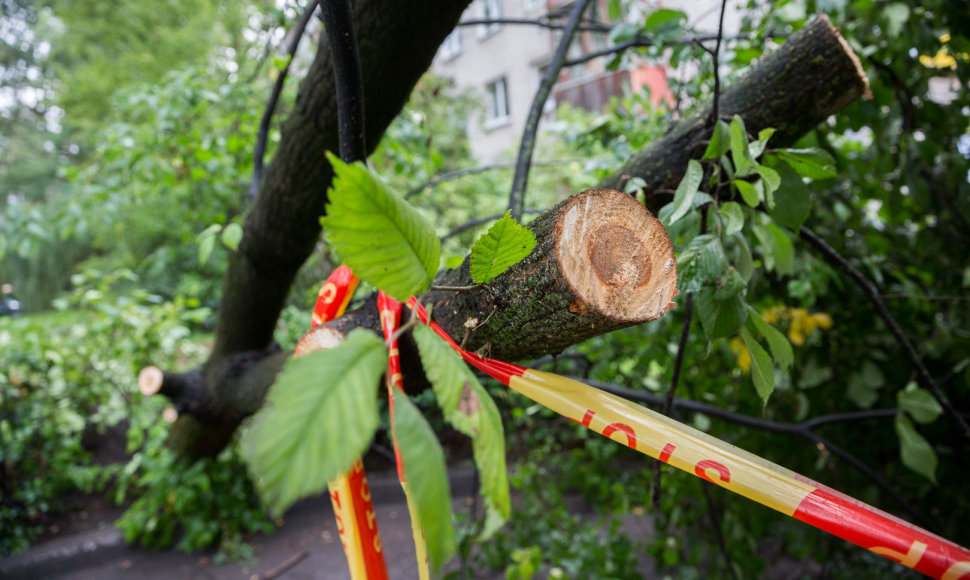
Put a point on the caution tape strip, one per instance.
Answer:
(349, 492)
(390, 310)
(725, 465)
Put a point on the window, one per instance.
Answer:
(496, 104)
(491, 10)
(451, 47)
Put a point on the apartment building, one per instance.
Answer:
(503, 62)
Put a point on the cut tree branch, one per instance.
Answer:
(543, 305)
(813, 75)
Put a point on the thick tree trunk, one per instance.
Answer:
(814, 75)
(397, 41)
(591, 273)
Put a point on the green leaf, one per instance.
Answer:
(664, 24)
(919, 403)
(661, 17)
(732, 215)
(468, 407)
(231, 236)
(319, 416)
(719, 317)
(896, 14)
(684, 196)
(378, 234)
(205, 248)
(793, 200)
(781, 350)
(427, 479)
(615, 10)
(812, 163)
(720, 141)
(739, 148)
(756, 148)
(748, 193)
(916, 452)
(762, 371)
(701, 262)
(770, 177)
(777, 248)
(864, 385)
(505, 244)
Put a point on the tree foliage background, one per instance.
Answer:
(126, 139)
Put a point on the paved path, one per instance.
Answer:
(308, 532)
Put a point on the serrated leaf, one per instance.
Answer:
(505, 244)
(812, 163)
(915, 451)
(781, 350)
(427, 479)
(793, 200)
(748, 193)
(468, 407)
(319, 416)
(231, 236)
(720, 141)
(686, 189)
(762, 371)
(378, 234)
(919, 403)
(732, 215)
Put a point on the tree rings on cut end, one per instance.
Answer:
(616, 256)
(319, 338)
(150, 380)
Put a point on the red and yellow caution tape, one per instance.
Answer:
(723, 464)
(349, 493)
(390, 310)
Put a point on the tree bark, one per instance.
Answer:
(542, 305)
(397, 41)
(814, 75)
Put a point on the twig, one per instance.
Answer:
(712, 513)
(717, 51)
(481, 169)
(669, 399)
(479, 221)
(524, 161)
(928, 298)
(286, 565)
(872, 293)
(455, 288)
(541, 23)
(643, 41)
(259, 152)
(349, 84)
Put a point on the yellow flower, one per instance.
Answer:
(741, 351)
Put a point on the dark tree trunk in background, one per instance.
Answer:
(397, 41)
